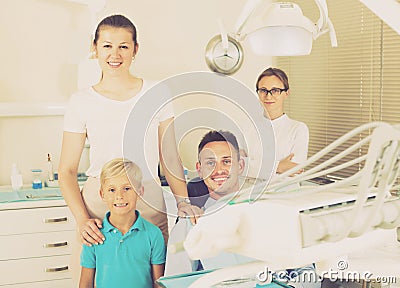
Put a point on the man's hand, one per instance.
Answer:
(193, 212)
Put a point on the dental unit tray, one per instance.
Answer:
(30, 195)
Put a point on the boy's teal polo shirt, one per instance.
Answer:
(125, 260)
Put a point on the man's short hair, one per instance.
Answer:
(219, 136)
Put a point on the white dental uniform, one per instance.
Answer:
(291, 136)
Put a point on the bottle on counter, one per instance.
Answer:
(36, 179)
(51, 180)
(50, 173)
(16, 178)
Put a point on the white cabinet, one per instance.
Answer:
(35, 245)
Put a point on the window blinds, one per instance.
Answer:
(334, 90)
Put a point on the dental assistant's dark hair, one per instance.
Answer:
(219, 136)
(274, 72)
(116, 21)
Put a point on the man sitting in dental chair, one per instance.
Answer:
(219, 166)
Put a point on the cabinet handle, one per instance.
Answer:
(56, 269)
(53, 245)
(55, 220)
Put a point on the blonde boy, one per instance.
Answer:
(133, 253)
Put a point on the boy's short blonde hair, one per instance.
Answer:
(120, 166)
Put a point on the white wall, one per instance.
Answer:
(44, 40)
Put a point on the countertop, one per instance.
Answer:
(30, 198)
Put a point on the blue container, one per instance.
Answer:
(36, 179)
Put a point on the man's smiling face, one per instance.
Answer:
(220, 168)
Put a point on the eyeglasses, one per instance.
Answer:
(273, 91)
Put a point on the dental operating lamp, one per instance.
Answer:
(271, 28)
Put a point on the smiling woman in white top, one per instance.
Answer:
(99, 114)
(291, 136)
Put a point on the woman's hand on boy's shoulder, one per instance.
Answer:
(89, 232)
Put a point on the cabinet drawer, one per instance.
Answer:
(65, 283)
(36, 245)
(36, 220)
(35, 269)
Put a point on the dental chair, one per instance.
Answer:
(197, 192)
(326, 225)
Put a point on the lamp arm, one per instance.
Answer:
(224, 35)
(324, 24)
(323, 12)
(247, 12)
(332, 33)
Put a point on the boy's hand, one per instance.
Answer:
(189, 211)
(89, 232)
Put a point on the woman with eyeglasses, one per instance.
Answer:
(291, 136)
